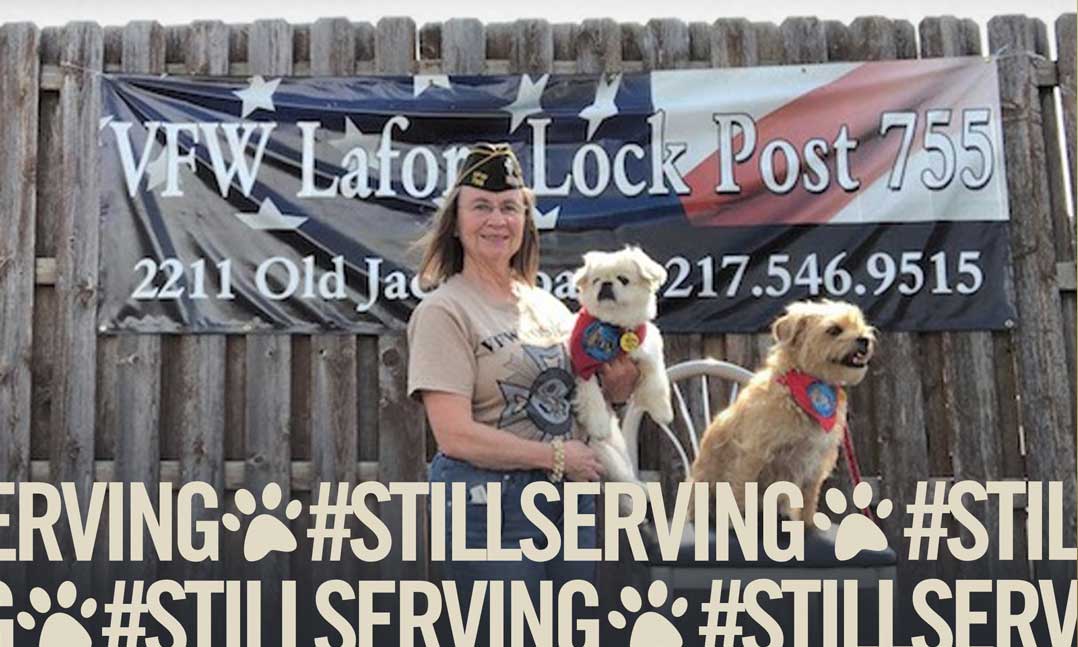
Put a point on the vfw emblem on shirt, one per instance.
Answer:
(539, 390)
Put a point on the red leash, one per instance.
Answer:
(851, 462)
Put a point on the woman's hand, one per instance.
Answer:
(581, 462)
(618, 379)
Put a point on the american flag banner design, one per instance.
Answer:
(293, 204)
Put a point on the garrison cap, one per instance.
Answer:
(491, 167)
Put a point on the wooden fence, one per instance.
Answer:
(244, 411)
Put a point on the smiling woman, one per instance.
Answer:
(489, 360)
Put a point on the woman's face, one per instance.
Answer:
(490, 225)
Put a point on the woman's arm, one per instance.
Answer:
(617, 379)
(460, 437)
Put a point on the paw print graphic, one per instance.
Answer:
(265, 533)
(60, 629)
(650, 628)
(856, 532)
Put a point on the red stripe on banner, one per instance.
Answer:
(855, 100)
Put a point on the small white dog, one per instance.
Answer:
(617, 295)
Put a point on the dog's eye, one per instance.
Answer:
(834, 331)
(623, 279)
(595, 281)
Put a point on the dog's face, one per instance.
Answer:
(619, 287)
(826, 339)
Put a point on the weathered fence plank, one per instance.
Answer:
(463, 46)
(402, 452)
(333, 47)
(71, 451)
(668, 46)
(531, 47)
(43, 353)
(193, 393)
(1039, 347)
(894, 383)
(267, 390)
(394, 46)
(804, 40)
(598, 46)
(19, 69)
(235, 374)
(367, 397)
(331, 417)
(129, 386)
(966, 401)
(733, 43)
(1062, 222)
(845, 44)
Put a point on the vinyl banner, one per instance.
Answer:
(293, 204)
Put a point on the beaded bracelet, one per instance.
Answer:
(558, 472)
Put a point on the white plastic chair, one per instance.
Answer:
(693, 374)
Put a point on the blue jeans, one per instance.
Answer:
(515, 528)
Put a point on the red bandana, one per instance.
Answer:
(818, 399)
(594, 343)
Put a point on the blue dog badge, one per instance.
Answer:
(602, 341)
(823, 398)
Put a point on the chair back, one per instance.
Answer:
(700, 388)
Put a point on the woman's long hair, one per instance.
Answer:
(443, 255)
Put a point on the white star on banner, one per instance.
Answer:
(270, 218)
(259, 94)
(527, 102)
(421, 82)
(603, 106)
(548, 220)
(355, 138)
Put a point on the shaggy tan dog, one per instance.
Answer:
(766, 435)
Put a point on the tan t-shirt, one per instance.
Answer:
(511, 360)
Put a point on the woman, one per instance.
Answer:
(489, 361)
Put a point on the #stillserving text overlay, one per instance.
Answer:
(179, 525)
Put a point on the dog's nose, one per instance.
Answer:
(862, 344)
(606, 291)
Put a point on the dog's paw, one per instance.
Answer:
(659, 409)
(599, 429)
(597, 424)
(662, 412)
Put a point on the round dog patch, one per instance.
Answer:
(630, 341)
(823, 398)
(601, 341)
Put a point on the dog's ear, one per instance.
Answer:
(581, 274)
(653, 273)
(788, 327)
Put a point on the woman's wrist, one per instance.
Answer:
(557, 471)
(548, 457)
